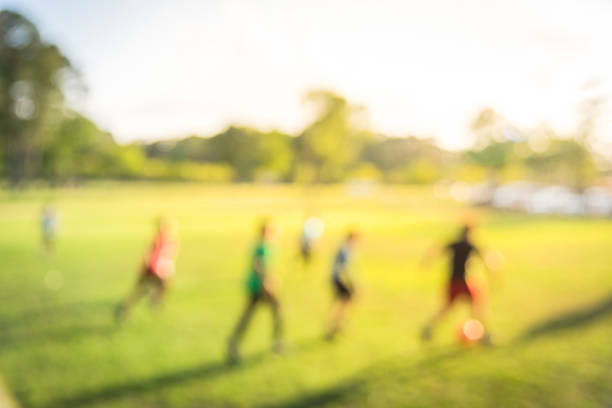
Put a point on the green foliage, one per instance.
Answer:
(192, 148)
(252, 153)
(334, 140)
(419, 171)
(41, 139)
(190, 171)
(78, 150)
(30, 74)
(494, 155)
(565, 161)
(392, 153)
(469, 172)
(364, 171)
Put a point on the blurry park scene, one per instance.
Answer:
(327, 204)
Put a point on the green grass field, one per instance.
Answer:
(550, 310)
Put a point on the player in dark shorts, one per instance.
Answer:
(342, 284)
(458, 286)
(157, 269)
(305, 249)
(260, 289)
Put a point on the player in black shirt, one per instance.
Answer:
(458, 286)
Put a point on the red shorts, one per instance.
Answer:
(148, 277)
(149, 273)
(459, 287)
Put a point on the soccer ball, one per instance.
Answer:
(471, 331)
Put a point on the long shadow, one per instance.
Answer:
(337, 393)
(199, 372)
(570, 320)
(57, 334)
(112, 392)
(31, 316)
(56, 324)
(354, 387)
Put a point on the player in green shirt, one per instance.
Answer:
(260, 289)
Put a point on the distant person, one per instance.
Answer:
(260, 289)
(311, 233)
(342, 284)
(458, 285)
(49, 228)
(157, 269)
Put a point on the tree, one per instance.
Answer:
(30, 75)
(78, 148)
(565, 161)
(252, 153)
(496, 141)
(334, 140)
(389, 154)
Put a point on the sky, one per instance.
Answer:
(163, 69)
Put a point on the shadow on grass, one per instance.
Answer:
(44, 313)
(56, 324)
(337, 393)
(63, 334)
(199, 372)
(570, 320)
(112, 392)
(353, 391)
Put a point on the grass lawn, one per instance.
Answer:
(550, 310)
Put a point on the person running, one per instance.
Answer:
(342, 284)
(49, 226)
(157, 269)
(260, 289)
(311, 233)
(458, 286)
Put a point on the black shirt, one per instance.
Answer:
(461, 251)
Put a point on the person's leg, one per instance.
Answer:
(159, 289)
(306, 254)
(47, 244)
(476, 297)
(278, 323)
(243, 323)
(477, 304)
(434, 319)
(337, 316)
(343, 297)
(139, 290)
(455, 289)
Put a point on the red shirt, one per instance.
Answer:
(161, 254)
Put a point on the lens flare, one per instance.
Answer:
(473, 330)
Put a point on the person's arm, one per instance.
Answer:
(485, 258)
(492, 261)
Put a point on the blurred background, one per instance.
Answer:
(397, 119)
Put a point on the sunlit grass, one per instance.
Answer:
(60, 348)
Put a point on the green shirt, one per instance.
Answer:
(261, 255)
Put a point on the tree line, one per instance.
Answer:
(42, 139)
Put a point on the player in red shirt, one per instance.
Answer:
(157, 268)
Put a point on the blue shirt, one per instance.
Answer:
(342, 261)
